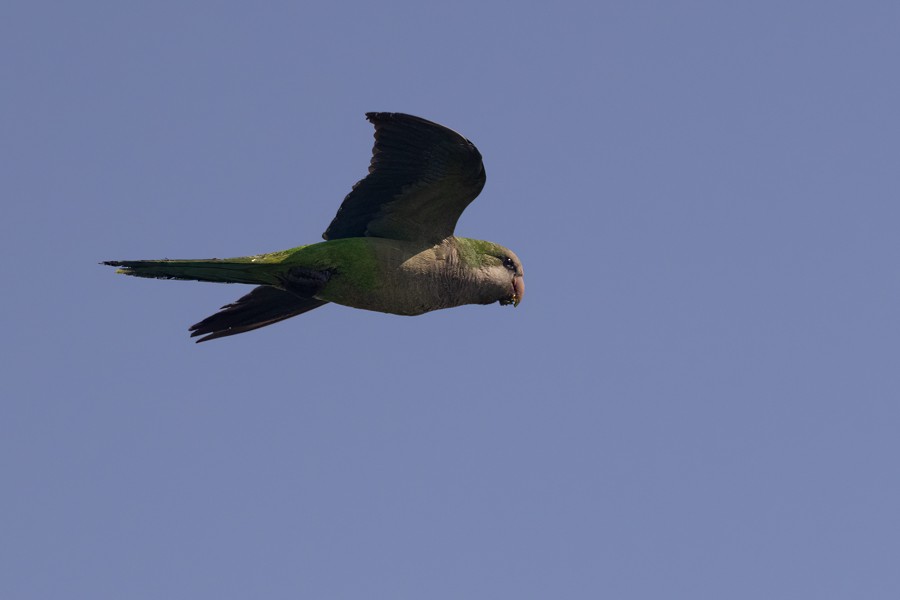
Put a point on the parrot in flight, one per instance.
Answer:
(390, 248)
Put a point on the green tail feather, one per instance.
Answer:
(215, 270)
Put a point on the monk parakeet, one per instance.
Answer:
(390, 248)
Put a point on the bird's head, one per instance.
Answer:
(501, 269)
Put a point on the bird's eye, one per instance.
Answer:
(509, 264)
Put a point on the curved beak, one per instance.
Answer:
(518, 289)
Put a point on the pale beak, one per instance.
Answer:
(519, 287)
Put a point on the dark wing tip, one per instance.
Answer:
(388, 116)
(406, 120)
(263, 306)
(374, 117)
(422, 175)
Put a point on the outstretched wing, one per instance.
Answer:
(263, 306)
(421, 178)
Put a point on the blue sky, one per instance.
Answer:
(697, 398)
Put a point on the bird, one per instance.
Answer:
(390, 248)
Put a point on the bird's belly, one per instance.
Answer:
(400, 293)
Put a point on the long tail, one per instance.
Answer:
(217, 270)
(265, 305)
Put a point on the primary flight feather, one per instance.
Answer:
(390, 248)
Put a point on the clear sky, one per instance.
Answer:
(699, 396)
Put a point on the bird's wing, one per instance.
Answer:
(263, 306)
(421, 178)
